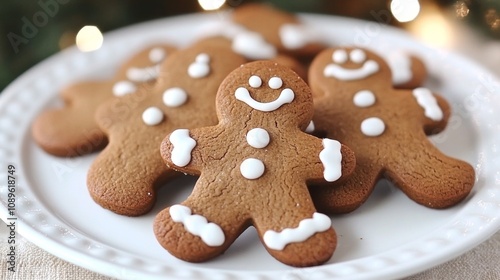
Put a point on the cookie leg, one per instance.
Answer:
(346, 196)
(432, 179)
(124, 176)
(194, 232)
(294, 233)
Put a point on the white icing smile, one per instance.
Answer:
(122, 88)
(286, 96)
(145, 74)
(368, 68)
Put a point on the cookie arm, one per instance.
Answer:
(435, 109)
(332, 160)
(179, 151)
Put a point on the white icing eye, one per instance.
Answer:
(364, 98)
(203, 58)
(200, 68)
(152, 116)
(174, 97)
(157, 55)
(258, 138)
(339, 56)
(122, 88)
(275, 82)
(372, 127)
(255, 81)
(358, 56)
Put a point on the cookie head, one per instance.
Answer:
(265, 90)
(145, 66)
(351, 65)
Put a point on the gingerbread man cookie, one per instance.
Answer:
(280, 29)
(72, 130)
(125, 175)
(356, 103)
(253, 169)
(260, 31)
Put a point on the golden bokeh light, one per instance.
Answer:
(89, 38)
(405, 10)
(211, 5)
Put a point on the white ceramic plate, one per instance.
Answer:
(388, 237)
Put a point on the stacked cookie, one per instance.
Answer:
(281, 130)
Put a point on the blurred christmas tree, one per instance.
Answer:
(483, 14)
(33, 31)
(36, 30)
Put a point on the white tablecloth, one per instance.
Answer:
(481, 262)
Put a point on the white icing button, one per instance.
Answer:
(157, 55)
(331, 157)
(152, 116)
(306, 228)
(275, 82)
(364, 98)
(369, 68)
(428, 102)
(339, 56)
(200, 68)
(255, 81)
(252, 168)
(286, 96)
(122, 88)
(183, 146)
(210, 233)
(174, 97)
(258, 138)
(372, 127)
(358, 56)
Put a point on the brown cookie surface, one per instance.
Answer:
(253, 169)
(281, 29)
(72, 130)
(356, 103)
(125, 175)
